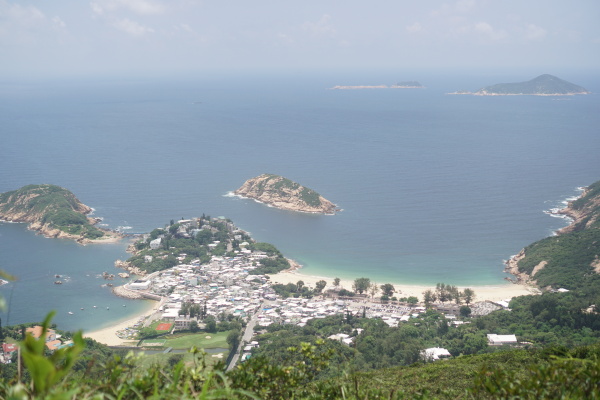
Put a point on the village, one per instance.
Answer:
(228, 287)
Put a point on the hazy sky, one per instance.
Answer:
(165, 36)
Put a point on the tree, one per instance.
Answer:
(412, 300)
(320, 285)
(388, 289)
(360, 285)
(233, 339)
(468, 294)
(373, 289)
(174, 359)
(336, 282)
(211, 324)
(194, 326)
(300, 285)
(465, 311)
(428, 297)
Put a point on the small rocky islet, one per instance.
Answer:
(282, 193)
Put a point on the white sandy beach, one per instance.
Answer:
(484, 292)
(108, 335)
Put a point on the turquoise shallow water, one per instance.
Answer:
(434, 188)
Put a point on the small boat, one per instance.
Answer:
(70, 313)
(58, 282)
(94, 306)
(57, 276)
(124, 305)
(107, 308)
(82, 308)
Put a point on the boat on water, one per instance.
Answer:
(107, 308)
(70, 313)
(82, 308)
(58, 282)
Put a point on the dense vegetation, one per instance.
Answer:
(201, 239)
(305, 371)
(50, 205)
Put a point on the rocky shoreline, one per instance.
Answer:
(279, 192)
(512, 264)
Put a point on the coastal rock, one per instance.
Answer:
(583, 211)
(133, 270)
(285, 194)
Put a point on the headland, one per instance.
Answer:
(54, 212)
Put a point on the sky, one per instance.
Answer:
(77, 37)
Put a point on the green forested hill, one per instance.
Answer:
(50, 209)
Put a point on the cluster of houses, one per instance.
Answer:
(53, 341)
(224, 286)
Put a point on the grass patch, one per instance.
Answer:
(153, 343)
(200, 340)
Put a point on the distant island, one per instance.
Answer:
(285, 194)
(543, 85)
(54, 212)
(399, 85)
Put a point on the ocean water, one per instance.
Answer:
(433, 187)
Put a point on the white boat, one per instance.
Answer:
(70, 313)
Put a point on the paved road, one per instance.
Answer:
(246, 337)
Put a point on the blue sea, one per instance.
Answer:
(433, 187)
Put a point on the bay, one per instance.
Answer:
(434, 187)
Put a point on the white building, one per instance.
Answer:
(435, 353)
(140, 285)
(499, 340)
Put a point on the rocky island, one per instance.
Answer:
(408, 85)
(285, 194)
(399, 85)
(571, 258)
(543, 85)
(52, 211)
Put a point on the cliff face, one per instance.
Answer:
(285, 194)
(52, 211)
